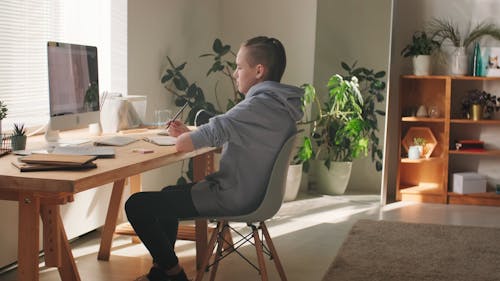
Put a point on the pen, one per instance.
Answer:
(176, 115)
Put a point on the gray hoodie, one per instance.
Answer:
(251, 135)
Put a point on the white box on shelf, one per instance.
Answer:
(469, 182)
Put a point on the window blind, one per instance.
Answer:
(27, 25)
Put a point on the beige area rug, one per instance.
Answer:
(385, 250)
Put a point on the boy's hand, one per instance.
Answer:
(176, 128)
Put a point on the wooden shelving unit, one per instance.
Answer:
(428, 179)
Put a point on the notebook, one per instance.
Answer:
(161, 140)
(115, 141)
(57, 159)
(25, 167)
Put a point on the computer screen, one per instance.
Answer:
(73, 86)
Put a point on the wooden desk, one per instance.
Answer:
(42, 193)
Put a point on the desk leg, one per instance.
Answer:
(28, 245)
(111, 218)
(56, 246)
(202, 165)
(201, 230)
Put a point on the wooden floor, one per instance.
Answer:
(309, 229)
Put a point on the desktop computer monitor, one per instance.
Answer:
(73, 86)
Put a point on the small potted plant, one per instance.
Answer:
(420, 49)
(478, 104)
(18, 137)
(416, 151)
(3, 114)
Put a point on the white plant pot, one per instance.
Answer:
(422, 65)
(333, 181)
(293, 180)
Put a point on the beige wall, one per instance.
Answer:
(184, 29)
(349, 31)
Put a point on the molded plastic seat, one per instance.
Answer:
(269, 206)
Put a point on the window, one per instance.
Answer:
(27, 25)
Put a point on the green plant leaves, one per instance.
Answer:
(219, 48)
(347, 126)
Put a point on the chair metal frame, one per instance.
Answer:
(262, 241)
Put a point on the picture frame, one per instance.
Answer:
(491, 61)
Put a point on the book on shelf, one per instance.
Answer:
(469, 145)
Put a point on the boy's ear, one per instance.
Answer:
(261, 69)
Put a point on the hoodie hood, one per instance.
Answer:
(289, 96)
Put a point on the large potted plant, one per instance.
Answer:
(420, 50)
(446, 31)
(345, 126)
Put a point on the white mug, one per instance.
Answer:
(95, 129)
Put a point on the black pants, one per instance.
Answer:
(155, 219)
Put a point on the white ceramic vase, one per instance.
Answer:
(458, 63)
(422, 65)
(333, 181)
(293, 179)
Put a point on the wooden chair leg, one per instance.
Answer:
(228, 239)
(209, 252)
(274, 253)
(260, 253)
(218, 253)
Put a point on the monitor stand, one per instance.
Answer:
(52, 137)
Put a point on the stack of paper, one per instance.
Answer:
(48, 162)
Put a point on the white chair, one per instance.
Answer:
(269, 207)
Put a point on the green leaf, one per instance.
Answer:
(180, 67)
(180, 102)
(191, 91)
(217, 45)
(345, 66)
(207, 55)
(180, 83)
(380, 74)
(378, 166)
(168, 76)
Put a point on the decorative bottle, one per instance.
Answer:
(477, 63)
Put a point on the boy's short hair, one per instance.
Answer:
(269, 52)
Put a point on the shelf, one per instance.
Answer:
(475, 78)
(428, 188)
(422, 119)
(458, 77)
(428, 179)
(468, 121)
(485, 198)
(421, 160)
(491, 152)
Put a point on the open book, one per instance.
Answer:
(161, 140)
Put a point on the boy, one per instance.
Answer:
(251, 135)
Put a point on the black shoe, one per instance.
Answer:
(181, 276)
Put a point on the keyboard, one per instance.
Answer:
(99, 151)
